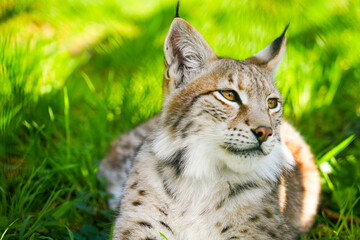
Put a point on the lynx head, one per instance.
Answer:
(219, 115)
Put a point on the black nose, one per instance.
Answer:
(262, 133)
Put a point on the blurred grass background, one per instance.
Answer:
(76, 73)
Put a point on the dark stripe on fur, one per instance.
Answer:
(214, 113)
(142, 192)
(133, 156)
(260, 227)
(184, 110)
(145, 224)
(166, 226)
(271, 234)
(225, 229)
(163, 212)
(240, 188)
(253, 218)
(185, 130)
(134, 185)
(167, 188)
(136, 203)
(220, 204)
(176, 162)
(268, 213)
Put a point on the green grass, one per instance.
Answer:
(76, 73)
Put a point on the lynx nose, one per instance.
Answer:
(262, 133)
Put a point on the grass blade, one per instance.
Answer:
(3, 235)
(336, 150)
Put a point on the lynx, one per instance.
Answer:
(218, 162)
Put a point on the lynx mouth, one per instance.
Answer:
(237, 151)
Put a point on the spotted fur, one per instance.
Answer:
(198, 170)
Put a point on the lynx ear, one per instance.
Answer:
(271, 56)
(186, 53)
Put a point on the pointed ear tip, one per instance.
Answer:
(180, 20)
(286, 28)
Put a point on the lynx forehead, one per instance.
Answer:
(252, 85)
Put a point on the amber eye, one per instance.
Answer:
(229, 95)
(272, 103)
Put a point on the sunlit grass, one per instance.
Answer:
(74, 74)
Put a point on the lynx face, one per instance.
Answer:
(239, 113)
(219, 114)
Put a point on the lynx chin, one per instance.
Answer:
(218, 162)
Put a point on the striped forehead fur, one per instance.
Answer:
(250, 78)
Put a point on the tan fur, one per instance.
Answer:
(299, 191)
(303, 184)
(199, 171)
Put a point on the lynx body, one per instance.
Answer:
(217, 163)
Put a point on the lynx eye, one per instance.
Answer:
(230, 95)
(272, 103)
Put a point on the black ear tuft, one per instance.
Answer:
(277, 42)
(271, 56)
(283, 34)
(177, 9)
